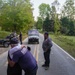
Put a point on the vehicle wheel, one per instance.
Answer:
(6, 44)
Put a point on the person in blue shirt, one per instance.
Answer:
(25, 59)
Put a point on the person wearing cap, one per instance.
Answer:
(24, 58)
(16, 69)
(47, 44)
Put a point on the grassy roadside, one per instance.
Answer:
(24, 36)
(3, 34)
(66, 42)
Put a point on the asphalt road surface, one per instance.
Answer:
(61, 63)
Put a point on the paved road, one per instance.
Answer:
(61, 62)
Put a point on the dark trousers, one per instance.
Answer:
(20, 41)
(16, 70)
(33, 72)
(47, 57)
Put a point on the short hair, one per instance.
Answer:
(46, 33)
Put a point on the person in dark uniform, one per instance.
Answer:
(47, 44)
(20, 38)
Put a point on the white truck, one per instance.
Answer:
(33, 36)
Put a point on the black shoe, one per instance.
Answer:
(43, 65)
(46, 67)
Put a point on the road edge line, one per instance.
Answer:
(64, 51)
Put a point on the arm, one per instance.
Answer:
(12, 50)
(15, 59)
(16, 48)
(11, 63)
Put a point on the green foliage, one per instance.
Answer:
(56, 25)
(71, 28)
(53, 12)
(66, 42)
(47, 15)
(68, 9)
(39, 23)
(16, 15)
(3, 34)
(44, 10)
(48, 25)
(67, 26)
(63, 23)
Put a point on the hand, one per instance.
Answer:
(23, 46)
(11, 63)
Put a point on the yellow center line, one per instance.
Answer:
(34, 51)
(37, 53)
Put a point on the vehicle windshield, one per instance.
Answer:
(33, 33)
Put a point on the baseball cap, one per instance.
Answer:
(14, 41)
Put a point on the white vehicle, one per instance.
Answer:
(33, 36)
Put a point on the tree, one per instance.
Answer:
(71, 28)
(48, 24)
(67, 26)
(16, 15)
(68, 9)
(54, 16)
(39, 23)
(44, 9)
(68, 14)
(56, 25)
(53, 12)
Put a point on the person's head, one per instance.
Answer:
(46, 35)
(29, 49)
(14, 42)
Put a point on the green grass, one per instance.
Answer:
(24, 36)
(3, 34)
(66, 42)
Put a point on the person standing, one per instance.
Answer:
(20, 38)
(25, 59)
(16, 69)
(47, 44)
